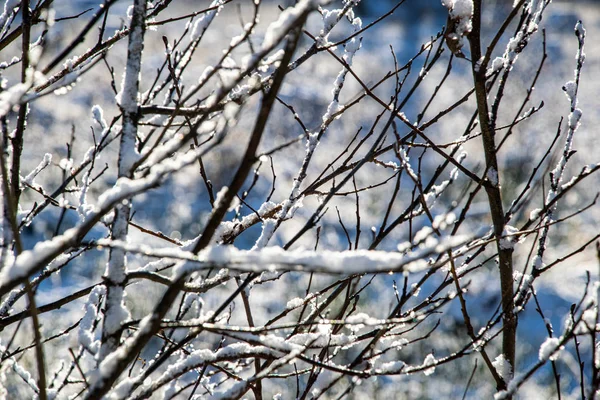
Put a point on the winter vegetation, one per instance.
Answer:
(311, 199)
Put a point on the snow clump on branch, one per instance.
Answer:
(460, 23)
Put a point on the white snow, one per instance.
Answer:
(84, 209)
(509, 237)
(204, 20)
(461, 12)
(492, 176)
(512, 47)
(113, 321)
(330, 18)
(332, 108)
(11, 97)
(400, 343)
(503, 368)
(43, 164)
(30, 261)
(220, 195)
(574, 118)
(570, 89)
(322, 339)
(98, 116)
(125, 187)
(537, 262)
(228, 73)
(288, 17)
(86, 333)
(422, 234)
(442, 221)
(9, 6)
(25, 375)
(588, 319)
(462, 8)
(535, 214)
(66, 164)
(391, 367)
(193, 360)
(294, 303)
(429, 360)
(226, 229)
(43, 252)
(362, 319)
(272, 258)
(269, 226)
(549, 350)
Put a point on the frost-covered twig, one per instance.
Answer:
(194, 360)
(459, 23)
(294, 200)
(86, 331)
(556, 176)
(116, 313)
(112, 367)
(31, 261)
(330, 262)
(548, 351)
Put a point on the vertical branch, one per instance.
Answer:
(12, 193)
(594, 334)
(492, 188)
(17, 140)
(469, 326)
(571, 88)
(10, 211)
(7, 215)
(115, 275)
